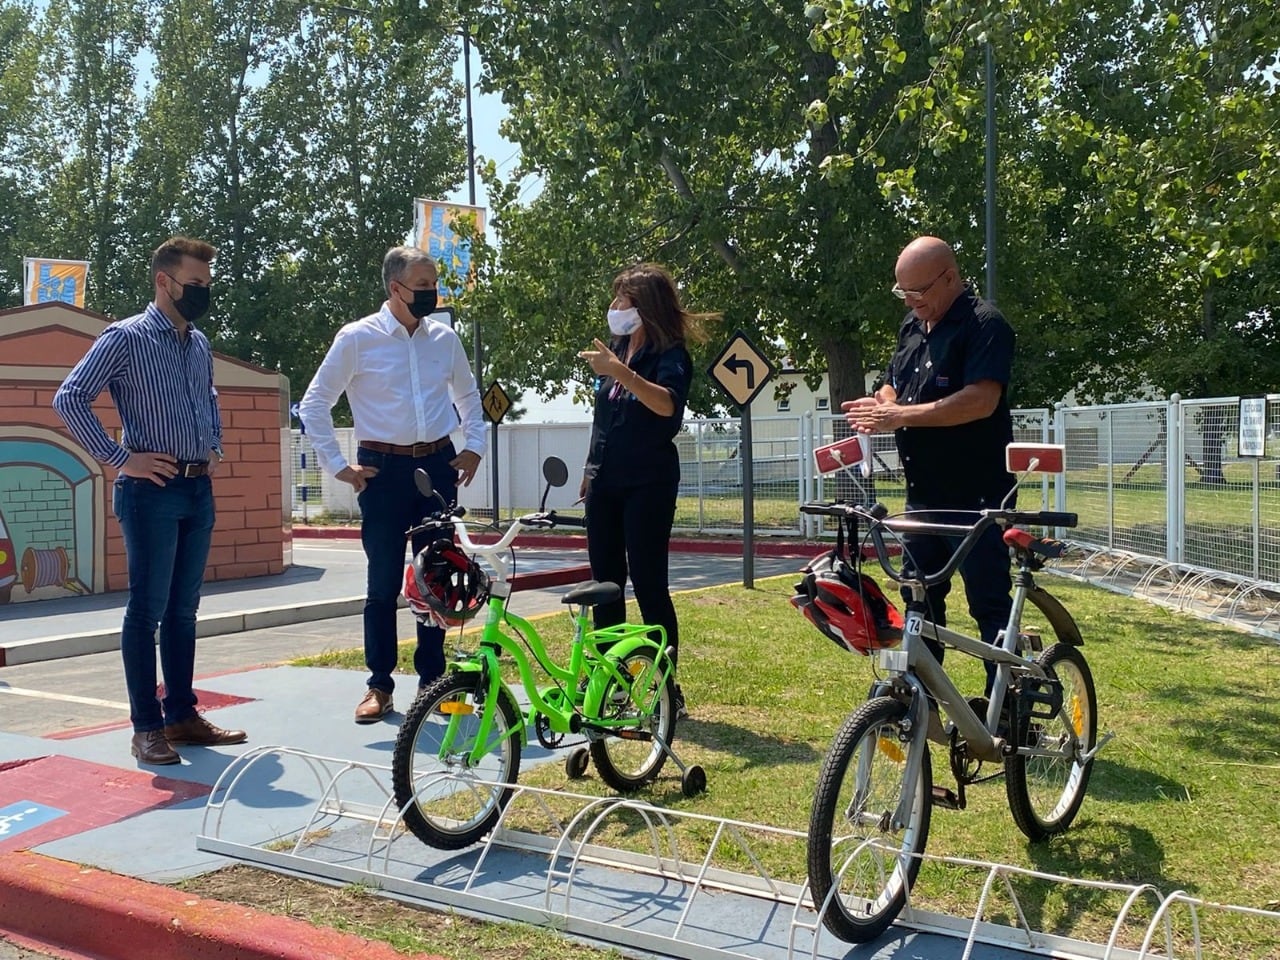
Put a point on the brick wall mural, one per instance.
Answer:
(58, 537)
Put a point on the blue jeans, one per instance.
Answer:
(167, 531)
(389, 505)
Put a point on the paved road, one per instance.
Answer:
(53, 696)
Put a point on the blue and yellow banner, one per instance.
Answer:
(433, 232)
(54, 281)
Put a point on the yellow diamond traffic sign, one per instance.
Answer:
(741, 370)
(496, 403)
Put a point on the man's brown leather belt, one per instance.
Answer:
(193, 468)
(406, 450)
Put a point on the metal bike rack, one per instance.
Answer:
(670, 899)
(1238, 601)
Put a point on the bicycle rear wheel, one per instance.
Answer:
(1045, 792)
(634, 759)
(854, 847)
(436, 786)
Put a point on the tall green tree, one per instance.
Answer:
(19, 201)
(360, 117)
(78, 142)
(1139, 147)
(681, 134)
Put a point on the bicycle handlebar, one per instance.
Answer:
(545, 520)
(878, 521)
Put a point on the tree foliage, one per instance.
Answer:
(293, 137)
(775, 156)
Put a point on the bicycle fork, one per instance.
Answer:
(916, 725)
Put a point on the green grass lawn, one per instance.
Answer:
(1186, 797)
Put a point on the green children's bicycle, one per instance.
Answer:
(457, 756)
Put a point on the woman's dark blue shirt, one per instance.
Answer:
(630, 444)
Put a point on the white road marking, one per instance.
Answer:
(64, 697)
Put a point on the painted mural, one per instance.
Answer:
(50, 521)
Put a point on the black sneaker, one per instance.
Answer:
(682, 710)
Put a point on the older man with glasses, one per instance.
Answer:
(945, 399)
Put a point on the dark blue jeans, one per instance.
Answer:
(629, 530)
(166, 539)
(389, 505)
(985, 572)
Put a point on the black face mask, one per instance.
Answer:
(423, 303)
(194, 302)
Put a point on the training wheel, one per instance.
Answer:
(575, 765)
(693, 781)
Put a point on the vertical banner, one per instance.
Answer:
(433, 232)
(54, 281)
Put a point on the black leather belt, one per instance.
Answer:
(193, 468)
(406, 449)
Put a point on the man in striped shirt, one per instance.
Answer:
(159, 370)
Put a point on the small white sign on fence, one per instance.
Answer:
(1253, 427)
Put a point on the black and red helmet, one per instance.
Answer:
(847, 606)
(445, 584)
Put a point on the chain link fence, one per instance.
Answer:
(1166, 480)
(1157, 479)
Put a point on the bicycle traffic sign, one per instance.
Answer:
(741, 370)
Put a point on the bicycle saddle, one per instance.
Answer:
(592, 592)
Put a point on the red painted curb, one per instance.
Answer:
(119, 918)
(762, 548)
(549, 578)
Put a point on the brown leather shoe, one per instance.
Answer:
(151, 747)
(201, 733)
(375, 705)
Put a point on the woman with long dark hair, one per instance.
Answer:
(632, 473)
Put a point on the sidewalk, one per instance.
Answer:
(325, 581)
(86, 832)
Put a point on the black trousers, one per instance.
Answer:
(629, 531)
(985, 572)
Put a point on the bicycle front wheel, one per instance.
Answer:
(857, 854)
(633, 757)
(448, 801)
(1045, 792)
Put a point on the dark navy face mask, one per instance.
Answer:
(194, 302)
(423, 303)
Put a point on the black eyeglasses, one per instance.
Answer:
(901, 294)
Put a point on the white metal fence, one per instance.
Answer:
(1159, 479)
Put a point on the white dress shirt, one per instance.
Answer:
(402, 389)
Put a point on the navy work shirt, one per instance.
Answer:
(962, 466)
(630, 444)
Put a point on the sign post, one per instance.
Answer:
(742, 371)
(496, 403)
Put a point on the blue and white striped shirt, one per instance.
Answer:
(162, 386)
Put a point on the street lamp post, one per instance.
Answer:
(471, 190)
(990, 291)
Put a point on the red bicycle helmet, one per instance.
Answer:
(847, 606)
(443, 583)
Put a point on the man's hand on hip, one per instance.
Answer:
(156, 467)
(357, 476)
(465, 463)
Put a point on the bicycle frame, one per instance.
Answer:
(586, 659)
(914, 665)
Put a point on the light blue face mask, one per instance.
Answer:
(624, 322)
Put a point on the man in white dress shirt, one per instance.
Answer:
(408, 381)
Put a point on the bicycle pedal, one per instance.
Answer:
(945, 797)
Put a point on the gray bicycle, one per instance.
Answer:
(872, 807)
